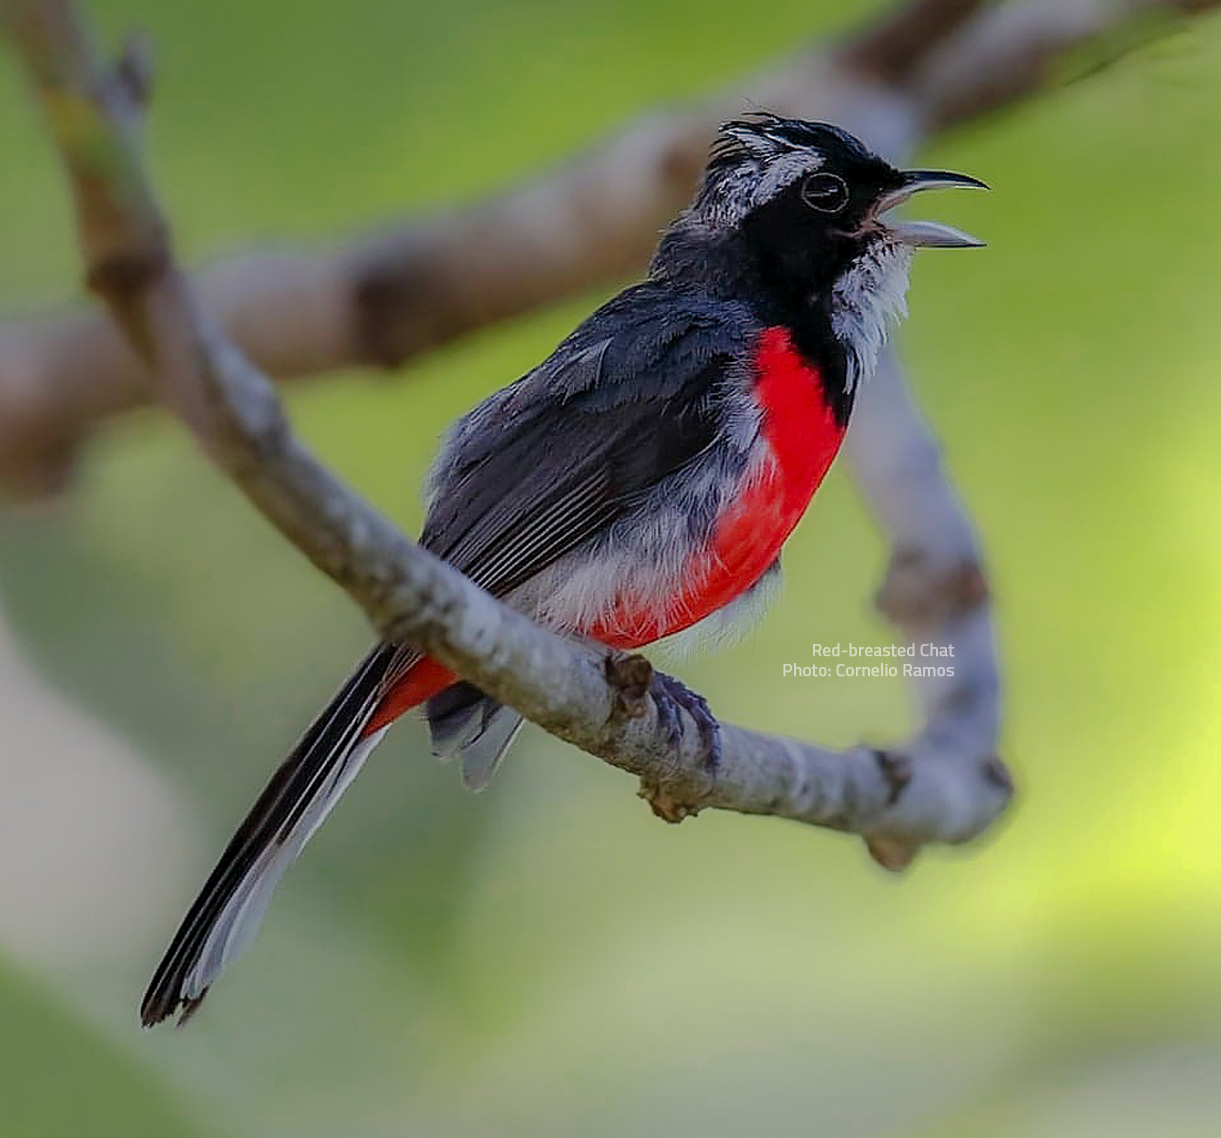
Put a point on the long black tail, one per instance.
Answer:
(231, 905)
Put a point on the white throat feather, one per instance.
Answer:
(865, 301)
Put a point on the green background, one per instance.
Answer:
(547, 959)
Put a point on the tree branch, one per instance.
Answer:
(946, 786)
(379, 300)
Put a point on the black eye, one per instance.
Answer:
(827, 193)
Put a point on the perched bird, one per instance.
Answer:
(637, 483)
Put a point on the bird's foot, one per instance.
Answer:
(673, 697)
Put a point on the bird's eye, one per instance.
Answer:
(827, 193)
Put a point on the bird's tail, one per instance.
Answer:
(302, 792)
(472, 727)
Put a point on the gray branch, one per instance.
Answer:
(945, 786)
(378, 300)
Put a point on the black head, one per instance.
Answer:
(791, 217)
(791, 183)
(808, 199)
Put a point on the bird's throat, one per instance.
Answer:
(866, 299)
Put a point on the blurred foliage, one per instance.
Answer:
(546, 959)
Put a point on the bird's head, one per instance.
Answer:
(797, 215)
(812, 199)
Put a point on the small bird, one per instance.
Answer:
(638, 483)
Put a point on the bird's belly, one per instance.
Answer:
(800, 437)
(746, 542)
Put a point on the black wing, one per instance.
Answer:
(633, 396)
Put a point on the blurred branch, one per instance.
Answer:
(946, 787)
(935, 591)
(1022, 47)
(381, 299)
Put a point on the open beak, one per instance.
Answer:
(929, 234)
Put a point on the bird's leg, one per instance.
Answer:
(672, 697)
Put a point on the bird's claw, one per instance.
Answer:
(672, 698)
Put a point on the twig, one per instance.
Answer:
(944, 787)
(379, 300)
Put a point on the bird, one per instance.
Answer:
(637, 484)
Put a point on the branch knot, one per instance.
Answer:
(630, 678)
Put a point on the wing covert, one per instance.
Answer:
(632, 397)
